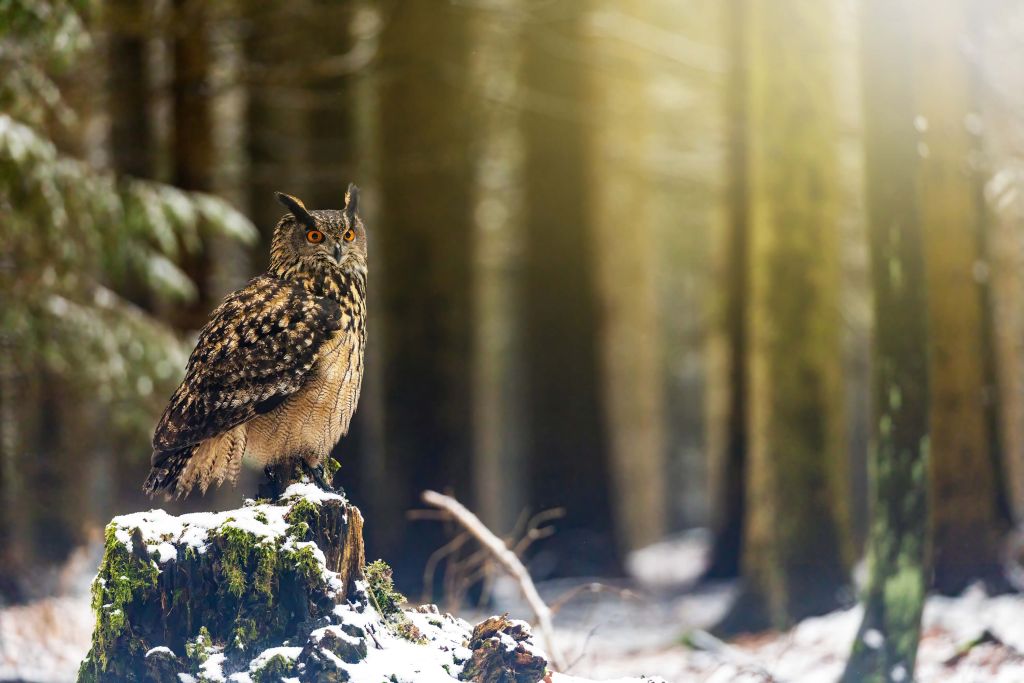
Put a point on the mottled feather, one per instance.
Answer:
(257, 349)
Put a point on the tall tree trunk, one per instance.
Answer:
(795, 554)
(10, 433)
(329, 88)
(368, 468)
(967, 519)
(192, 137)
(131, 145)
(128, 89)
(274, 126)
(1002, 140)
(425, 234)
(727, 394)
(498, 364)
(632, 389)
(566, 431)
(898, 463)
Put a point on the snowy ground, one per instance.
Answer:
(610, 635)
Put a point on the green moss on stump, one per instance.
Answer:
(235, 583)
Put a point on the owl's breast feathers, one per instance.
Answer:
(261, 346)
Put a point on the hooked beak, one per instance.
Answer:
(337, 253)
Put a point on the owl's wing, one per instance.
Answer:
(257, 350)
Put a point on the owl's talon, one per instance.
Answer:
(319, 476)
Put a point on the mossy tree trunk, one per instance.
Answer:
(727, 439)
(795, 555)
(565, 422)
(629, 338)
(969, 516)
(898, 463)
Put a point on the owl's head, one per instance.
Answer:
(312, 247)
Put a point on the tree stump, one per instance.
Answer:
(275, 590)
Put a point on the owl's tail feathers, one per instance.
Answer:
(166, 470)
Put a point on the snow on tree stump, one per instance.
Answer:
(275, 591)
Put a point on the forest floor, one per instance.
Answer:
(639, 629)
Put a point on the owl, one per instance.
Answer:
(276, 373)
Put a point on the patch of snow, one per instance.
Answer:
(873, 639)
(161, 648)
(289, 653)
(565, 678)
(310, 492)
(159, 528)
(674, 561)
(167, 552)
(124, 536)
(213, 668)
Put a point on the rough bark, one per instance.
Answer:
(898, 463)
(795, 555)
(629, 339)
(967, 518)
(727, 439)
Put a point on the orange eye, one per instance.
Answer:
(314, 237)
(349, 235)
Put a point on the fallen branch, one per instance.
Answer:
(508, 560)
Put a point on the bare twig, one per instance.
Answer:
(593, 587)
(508, 560)
(435, 557)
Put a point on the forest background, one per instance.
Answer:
(619, 264)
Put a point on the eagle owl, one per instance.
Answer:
(276, 373)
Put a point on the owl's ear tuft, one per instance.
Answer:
(351, 199)
(298, 209)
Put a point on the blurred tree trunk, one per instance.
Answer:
(969, 516)
(128, 89)
(425, 235)
(328, 87)
(368, 467)
(898, 464)
(567, 439)
(274, 127)
(1003, 138)
(498, 363)
(727, 384)
(795, 551)
(10, 398)
(131, 144)
(192, 138)
(633, 391)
